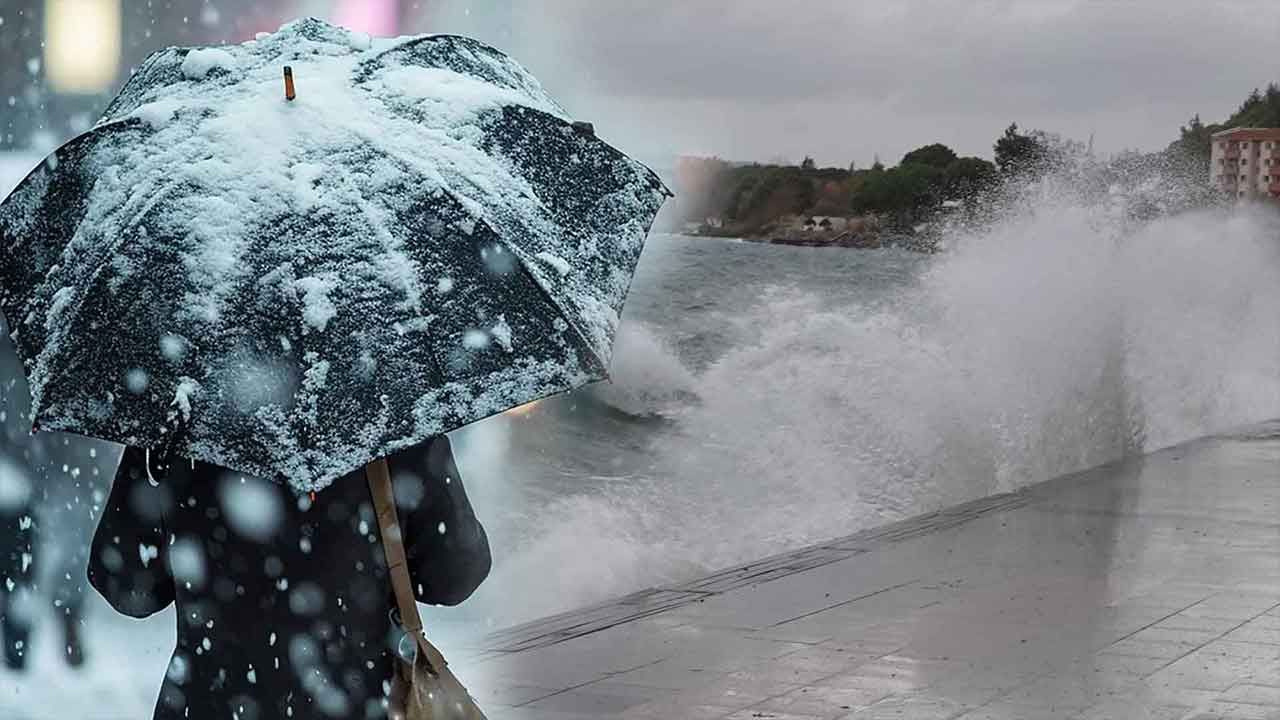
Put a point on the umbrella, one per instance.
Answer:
(293, 283)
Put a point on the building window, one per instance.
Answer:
(1244, 144)
(1244, 177)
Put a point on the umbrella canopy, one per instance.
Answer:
(293, 288)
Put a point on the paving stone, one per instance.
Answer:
(671, 709)
(910, 707)
(735, 693)
(528, 713)
(1233, 711)
(1201, 623)
(1207, 669)
(1000, 710)
(490, 695)
(823, 701)
(752, 713)
(1133, 646)
(598, 699)
(1070, 692)
(1188, 638)
(670, 674)
(1263, 630)
(1234, 605)
(1253, 694)
(1133, 710)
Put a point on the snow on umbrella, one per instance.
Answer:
(292, 288)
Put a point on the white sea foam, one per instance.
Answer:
(647, 377)
(1053, 342)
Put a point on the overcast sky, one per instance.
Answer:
(846, 80)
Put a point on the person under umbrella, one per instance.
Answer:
(281, 599)
(266, 294)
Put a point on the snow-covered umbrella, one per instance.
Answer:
(292, 288)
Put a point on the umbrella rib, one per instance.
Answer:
(526, 265)
(449, 177)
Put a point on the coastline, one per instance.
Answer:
(924, 241)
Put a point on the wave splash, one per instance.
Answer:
(1051, 342)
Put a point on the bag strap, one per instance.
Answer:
(384, 504)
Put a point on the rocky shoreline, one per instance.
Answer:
(922, 241)
(846, 239)
(861, 233)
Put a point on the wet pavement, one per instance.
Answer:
(1143, 590)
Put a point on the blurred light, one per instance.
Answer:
(82, 45)
(523, 409)
(380, 18)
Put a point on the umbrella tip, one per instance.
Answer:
(288, 83)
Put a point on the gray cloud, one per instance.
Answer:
(846, 80)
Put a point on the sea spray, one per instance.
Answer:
(1059, 338)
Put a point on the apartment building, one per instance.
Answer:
(1245, 162)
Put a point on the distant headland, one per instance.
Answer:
(880, 206)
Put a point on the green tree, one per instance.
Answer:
(905, 193)
(967, 177)
(1260, 109)
(935, 155)
(1017, 153)
(1189, 155)
(736, 208)
(803, 192)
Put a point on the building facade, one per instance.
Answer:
(1245, 163)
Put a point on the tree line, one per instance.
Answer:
(749, 197)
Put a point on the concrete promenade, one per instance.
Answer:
(1148, 589)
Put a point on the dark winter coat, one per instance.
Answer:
(283, 602)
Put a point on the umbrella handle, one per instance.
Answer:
(166, 449)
